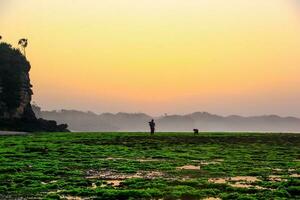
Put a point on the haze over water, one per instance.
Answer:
(160, 56)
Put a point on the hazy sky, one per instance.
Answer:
(161, 56)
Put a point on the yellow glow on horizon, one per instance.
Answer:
(142, 55)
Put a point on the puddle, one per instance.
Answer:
(277, 170)
(275, 178)
(112, 158)
(54, 192)
(217, 180)
(209, 163)
(243, 185)
(240, 185)
(189, 167)
(111, 175)
(249, 179)
(153, 174)
(212, 162)
(114, 183)
(128, 159)
(149, 160)
(295, 175)
(241, 181)
(53, 181)
(72, 198)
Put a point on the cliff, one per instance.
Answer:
(15, 94)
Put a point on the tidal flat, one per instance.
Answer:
(167, 166)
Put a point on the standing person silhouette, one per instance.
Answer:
(152, 126)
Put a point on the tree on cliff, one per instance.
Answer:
(23, 43)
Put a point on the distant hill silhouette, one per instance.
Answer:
(89, 121)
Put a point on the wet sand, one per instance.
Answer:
(12, 133)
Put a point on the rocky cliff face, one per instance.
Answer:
(15, 87)
(15, 94)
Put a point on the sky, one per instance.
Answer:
(160, 56)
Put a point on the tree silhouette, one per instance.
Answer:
(23, 42)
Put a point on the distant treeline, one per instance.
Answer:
(89, 121)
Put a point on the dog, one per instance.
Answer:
(196, 131)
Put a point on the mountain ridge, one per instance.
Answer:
(204, 121)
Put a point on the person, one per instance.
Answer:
(152, 126)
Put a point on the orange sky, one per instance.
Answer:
(160, 56)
